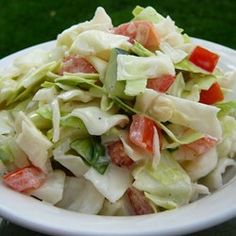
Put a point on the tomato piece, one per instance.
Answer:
(117, 154)
(201, 145)
(75, 64)
(203, 58)
(141, 132)
(127, 29)
(25, 179)
(138, 202)
(161, 84)
(212, 95)
(141, 31)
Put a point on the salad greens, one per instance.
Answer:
(117, 120)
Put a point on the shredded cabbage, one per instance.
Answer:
(81, 196)
(79, 131)
(167, 186)
(112, 184)
(52, 190)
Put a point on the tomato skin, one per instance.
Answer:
(203, 58)
(138, 202)
(141, 31)
(117, 154)
(25, 179)
(75, 64)
(161, 84)
(201, 145)
(141, 132)
(212, 95)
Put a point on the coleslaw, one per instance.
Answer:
(127, 120)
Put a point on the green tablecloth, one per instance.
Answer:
(29, 22)
(226, 229)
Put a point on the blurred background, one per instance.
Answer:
(28, 22)
(24, 23)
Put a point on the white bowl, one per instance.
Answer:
(204, 213)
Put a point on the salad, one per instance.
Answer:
(117, 120)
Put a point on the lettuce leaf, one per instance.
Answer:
(93, 152)
(167, 185)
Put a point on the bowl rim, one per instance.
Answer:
(45, 218)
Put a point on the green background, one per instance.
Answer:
(24, 23)
(28, 22)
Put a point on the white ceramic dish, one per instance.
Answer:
(204, 213)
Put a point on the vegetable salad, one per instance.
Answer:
(117, 120)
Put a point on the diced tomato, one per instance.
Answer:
(117, 154)
(203, 58)
(141, 132)
(212, 95)
(25, 179)
(201, 145)
(161, 84)
(138, 202)
(142, 31)
(75, 64)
